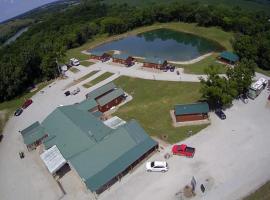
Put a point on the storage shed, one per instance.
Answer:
(191, 112)
(156, 63)
(228, 57)
(123, 59)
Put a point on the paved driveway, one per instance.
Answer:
(233, 154)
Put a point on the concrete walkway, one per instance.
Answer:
(137, 71)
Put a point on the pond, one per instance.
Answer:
(162, 43)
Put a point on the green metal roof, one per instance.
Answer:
(87, 104)
(195, 108)
(101, 90)
(97, 152)
(97, 113)
(121, 56)
(33, 133)
(154, 60)
(229, 56)
(74, 130)
(118, 151)
(110, 96)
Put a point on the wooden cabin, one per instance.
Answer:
(123, 59)
(191, 112)
(156, 63)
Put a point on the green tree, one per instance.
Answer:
(241, 75)
(217, 90)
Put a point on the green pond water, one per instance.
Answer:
(162, 43)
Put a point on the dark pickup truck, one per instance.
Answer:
(183, 150)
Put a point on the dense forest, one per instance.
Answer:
(31, 58)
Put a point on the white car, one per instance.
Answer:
(157, 166)
(76, 91)
(74, 61)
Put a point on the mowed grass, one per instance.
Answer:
(86, 63)
(152, 101)
(199, 67)
(86, 76)
(213, 33)
(263, 193)
(97, 80)
(9, 107)
(262, 71)
(74, 70)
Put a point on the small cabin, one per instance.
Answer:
(228, 57)
(123, 59)
(102, 56)
(191, 112)
(156, 63)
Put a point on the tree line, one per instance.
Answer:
(31, 58)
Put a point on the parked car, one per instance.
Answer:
(67, 93)
(183, 150)
(74, 62)
(220, 114)
(27, 103)
(18, 112)
(76, 91)
(157, 166)
(244, 98)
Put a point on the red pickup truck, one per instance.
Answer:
(183, 150)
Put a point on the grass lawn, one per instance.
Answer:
(74, 70)
(86, 63)
(86, 76)
(213, 33)
(265, 72)
(263, 193)
(97, 80)
(152, 101)
(199, 67)
(9, 107)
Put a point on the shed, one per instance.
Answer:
(111, 99)
(157, 63)
(229, 57)
(191, 112)
(99, 92)
(33, 135)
